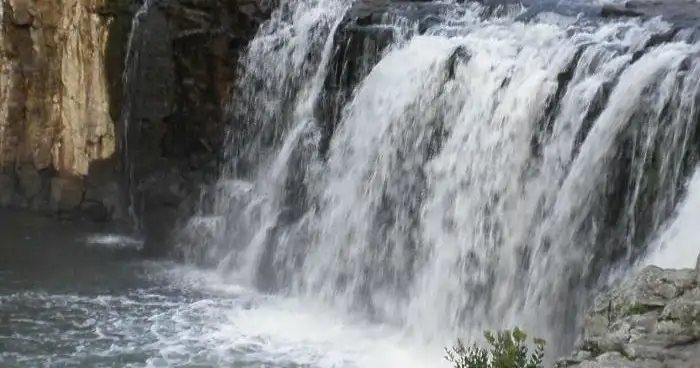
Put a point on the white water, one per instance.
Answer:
(116, 241)
(453, 197)
(274, 330)
(678, 245)
(161, 315)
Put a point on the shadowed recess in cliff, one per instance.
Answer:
(471, 171)
(178, 64)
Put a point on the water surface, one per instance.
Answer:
(72, 295)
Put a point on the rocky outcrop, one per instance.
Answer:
(181, 68)
(54, 104)
(75, 139)
(651, 320)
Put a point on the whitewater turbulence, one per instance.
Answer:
(489, 174)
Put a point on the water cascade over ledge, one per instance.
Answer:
(485, 167)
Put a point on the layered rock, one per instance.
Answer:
(54, 103)
(651, 320)
(74, 139)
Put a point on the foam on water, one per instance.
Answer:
(179, 316)
(280, 331)
(116, 241)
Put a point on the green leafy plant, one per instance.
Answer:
(507, 349)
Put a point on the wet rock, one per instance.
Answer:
(618, 11)
(651, 320)
(66, 193)
(95, 211)
(29, 180)
(7, 189)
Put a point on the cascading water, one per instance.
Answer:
(677, 245)
(484, 175)
(131, 65)
(4, 94)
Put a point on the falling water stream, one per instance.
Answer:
(129, 74)
(486, 173)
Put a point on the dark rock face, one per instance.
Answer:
(651, 320)
(181, 69)
(207, 38)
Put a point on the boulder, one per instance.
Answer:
(651, 320)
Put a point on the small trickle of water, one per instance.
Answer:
(131, 63)
(5, 86)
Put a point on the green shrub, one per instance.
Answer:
(506, 350)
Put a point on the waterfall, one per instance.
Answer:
(677, 245)
(125, 141)
(488, 172)
(4, 104)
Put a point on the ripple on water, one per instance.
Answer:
(186, 318)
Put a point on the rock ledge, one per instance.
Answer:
(650, 321)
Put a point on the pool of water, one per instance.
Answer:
(73, 295)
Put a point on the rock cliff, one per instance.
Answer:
(73, 122)
(54, 102)
(650, 321)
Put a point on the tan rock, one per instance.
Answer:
(62, 91)
(21, 12)
(54, 97)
